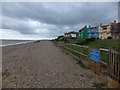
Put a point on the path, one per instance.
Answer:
(43, 64)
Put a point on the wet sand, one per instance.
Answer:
(42, 65)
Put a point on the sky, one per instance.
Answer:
(47, 20)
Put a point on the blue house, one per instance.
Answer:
(93, 32)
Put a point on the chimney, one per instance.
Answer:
(89, 26)
(114, 21)
(100, 24)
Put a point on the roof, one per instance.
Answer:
(115, 24)
(93, 27)
(72, 32)
(82, 28)
(104, 26)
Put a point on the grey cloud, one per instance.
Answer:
(57, 15)
(19, 25)
(60, 13)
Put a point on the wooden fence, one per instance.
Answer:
(114, 68)
(108, 67)
(78, 50)
(104, 65)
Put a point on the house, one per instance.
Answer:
(82, 34)
(71, 34)
(104, 31)
(115, 30)
(93, 32)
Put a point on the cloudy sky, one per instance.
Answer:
(38, 20)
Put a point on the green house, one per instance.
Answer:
(82, 34)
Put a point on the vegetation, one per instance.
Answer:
(97, 43)
(98, 85)
(91, 43)
(108, 43)
(5, 73)
(80, 63)
(85, 41)
(60, 38)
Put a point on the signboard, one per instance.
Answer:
(95, 55)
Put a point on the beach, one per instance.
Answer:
(42, 65)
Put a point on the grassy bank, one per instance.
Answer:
(97, 43)
(94, 44)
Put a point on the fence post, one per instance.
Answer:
(88, 58)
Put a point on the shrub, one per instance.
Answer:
(80, 63)
(85, 41)
(60, 38)
(66, 40)
(90, 39)
(98, 85)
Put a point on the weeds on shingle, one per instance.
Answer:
(81, 75)
(80, 63)
(6, 73)
(98, 85)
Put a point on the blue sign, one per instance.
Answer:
(95, 55)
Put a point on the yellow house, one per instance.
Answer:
(105, 31)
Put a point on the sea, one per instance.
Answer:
(13, 42)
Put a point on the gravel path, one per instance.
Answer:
(43, 65)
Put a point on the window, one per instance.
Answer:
(104, 28)
(108, 32)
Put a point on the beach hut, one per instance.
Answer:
(93, 32)
(82, 34)
(104, 31)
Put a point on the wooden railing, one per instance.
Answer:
(114, 65)
(108, 65)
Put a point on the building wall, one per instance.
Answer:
(115, 30)
(93, 32)
(71, 34)
(79, 35)
(83, 33)
(116, 35)
(104, 34)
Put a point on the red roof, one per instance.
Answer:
(72, 32)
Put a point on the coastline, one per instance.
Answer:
(17, 43)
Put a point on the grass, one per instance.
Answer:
(104, 56)
(107, 43)
(98, 85)
(98, 43)
(73, 41)
(80, 63)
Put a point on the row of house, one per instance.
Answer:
(111, 30)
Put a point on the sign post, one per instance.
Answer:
(95, 55)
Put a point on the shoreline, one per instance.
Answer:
(16, 44)
(20, 43)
